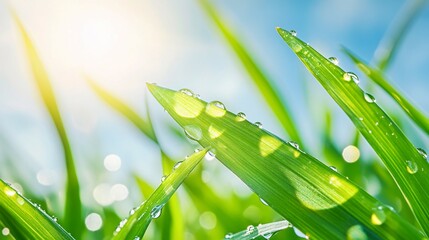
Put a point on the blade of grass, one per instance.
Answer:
(73, 221)
(258, 76)
(313, 197)
(137, 223)
(25, 220)
(402, 159)
(389, 45)
(377, 76)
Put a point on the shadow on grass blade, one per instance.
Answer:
(313, 197)
(258, 76)
(136, 224)
(405, 163)
(25, 220)
(73, 221)
(376, 76)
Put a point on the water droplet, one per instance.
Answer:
(187, 92)
(132, 211)
(5, 231)
(369, 98)
(177, 165)
(258, 124)
(412, 167)
(378, 215)
(240, 117)
(228, 236)
(361, 118)
(193, 132)
(54, 218)
(334, 60)
(376, 123)
(422, 153)
(294, 144)
(356, 232)
(333, 168)
(122, 223)
(197, 150)
(263, 201)
(156, 211)
(348, 76)
(210, 155)
(299, 233)
(250, 229)
(216, 109)
(293, 33)
(136, 238)
(163, 178)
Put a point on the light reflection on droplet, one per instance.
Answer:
(5, 231)
(112, 162)
(93, 222)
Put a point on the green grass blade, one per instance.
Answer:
(137, 223)
(312, 196)
(25, 220)
(388, 47)
(258, 76)
(143, 125)
(72, 221)
(404, 162)
(377, 76)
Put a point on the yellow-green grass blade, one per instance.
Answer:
(117, 104)
(258, 76)
(389, 45)
(313, 197)
(377, 76)
(405, 163)
(72, 221)
(25, 220)
(136, 224)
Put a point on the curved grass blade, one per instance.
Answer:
(24, 220)
(257, 75)
(404, 162)
(376, 76)
(313, 197)
(73, 221)
(389, 45)
(142, 124)
(137, 223)
(262, 230)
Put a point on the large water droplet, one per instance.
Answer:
(187, 92)
(156, 211)
(193, 132)
(412, 167)
(334, 60)
(293, 33)
(422, 153)
(177, 165)
(348, 76)
(294, 144)
(240, 117)
(378, 215)
(369, 98)
(258, 124)
(216, 109)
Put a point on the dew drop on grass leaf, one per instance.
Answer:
(422, 153)
(193, 132)
(177, 165)
(267, 235)
(263, 201)
(412, 167)
(378, 215)
(294, 144)
(299, 233)
(293, 33)
(163, 178)
(334, 60)
(333, 168)
(250, 229)
(369, 98)
(348, 76)
(258, 124)
(228, 236)
(156, 211)
(187, 92)
(240, 117)
(356, 232)
(210, 155)
(216, 109)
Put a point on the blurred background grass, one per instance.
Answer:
(123, 44)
